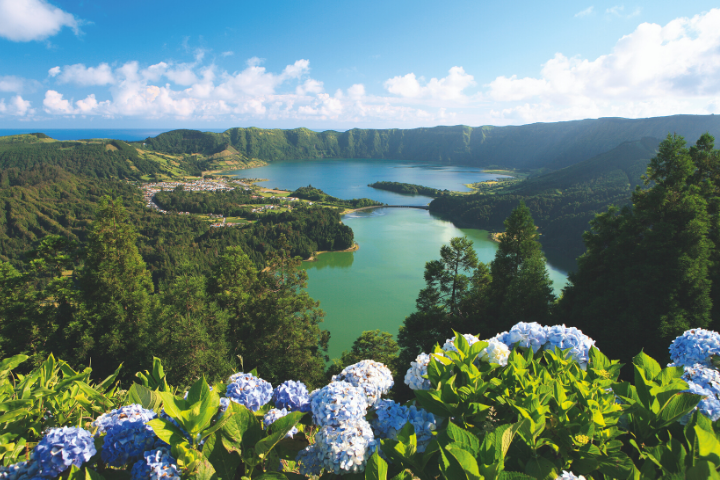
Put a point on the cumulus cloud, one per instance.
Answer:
(19, 107)
(11, 83)
(447, 88)
(26, 20)
(79, 74)
(619, 11)
(357, 90)
(584, 13)
(654, 70)
(310, 86)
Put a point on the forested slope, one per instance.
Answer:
(540, 145)
(562, 202)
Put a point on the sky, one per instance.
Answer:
(340, 65)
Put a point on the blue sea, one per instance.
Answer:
(129, 134)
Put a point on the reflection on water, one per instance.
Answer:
(333, 260)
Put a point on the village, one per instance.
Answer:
(210, 185)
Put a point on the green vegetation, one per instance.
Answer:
(540, 145)
(409, 189)
(316, 195)
(561, 202)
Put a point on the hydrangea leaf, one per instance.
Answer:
(678, 405)
(457, 464)
(703, 470)
(145, 397)
(225, 463)
(463, 438)
(8, 364)
(541, 468)
(648, 364)
(234, 429)
(709, 446)
(376, 468)
(166, 431)
(278, 430)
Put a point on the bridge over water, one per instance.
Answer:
(421, 207)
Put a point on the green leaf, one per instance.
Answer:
(452, 469)
(514, 476)
(235, 428)
(271, 476)
(648, 364)
(376, 468)
(116, 474)
(709, 446)
(432, 404)
(541, 468)
(145, 397)
(278, 430)
(8, 364)
(205, 471)
(678, 405)
(597, 359)
(404, 475)
(703, 470)
(468, 441)
(166, 431)
(225, 463)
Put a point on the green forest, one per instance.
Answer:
(408, 189)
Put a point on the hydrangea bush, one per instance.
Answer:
(533, 402)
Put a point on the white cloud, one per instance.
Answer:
(448, 88)
(11, 83)
(584, 13)
(54, 72)
(357, 90)
(79, 74)
(26, 20)
(655, 69)
(54, 103)
(227, 54)
(20, 107)
(310, 86)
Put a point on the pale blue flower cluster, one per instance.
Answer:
(337, 403)
(695, 346)
(249, 390)
(156, 465)
(274, 415)
(525, 335)
(128, 437)
(21, 471)
(224, 404)
(571, 338)
(496, 352)
(292, 396)
(418, 369)
(706, 382)
(61, 448)
(449, 345)
(391, 418)
(345, 448)
(131, 412)
(424, 423)
(536, 336)
(373, 377)
(569, 476)
(310, 464)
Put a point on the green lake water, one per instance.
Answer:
(376, 286)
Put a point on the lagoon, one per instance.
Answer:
(376, 286)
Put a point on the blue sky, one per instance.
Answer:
(339, 65)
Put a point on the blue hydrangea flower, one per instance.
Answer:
(21, 471)
(424, 423)
(156, 464)
(292, 396)
(391, 418)
(569, 476)
(345, 448)
(131, 412)
(525, 335)
(61, 448)
(564, 337)
(495, 352)
(418, 369)
(309, 461)
(695, 346)
(373, 377)
(449, 345)
(128, 438)
(706, 382)
(274, 415)
(249, 390)
(336, 403)
(224, 404)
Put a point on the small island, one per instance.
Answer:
(409, 189)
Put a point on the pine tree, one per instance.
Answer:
(521, 289)
(645, 276)
(116, 288)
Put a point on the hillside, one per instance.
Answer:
(562, 202)
(548, 146)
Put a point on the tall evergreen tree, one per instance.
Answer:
(644, 278)
(116, 288)
(521, 289)
(370, 345)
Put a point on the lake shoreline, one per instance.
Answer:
(313, 258)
